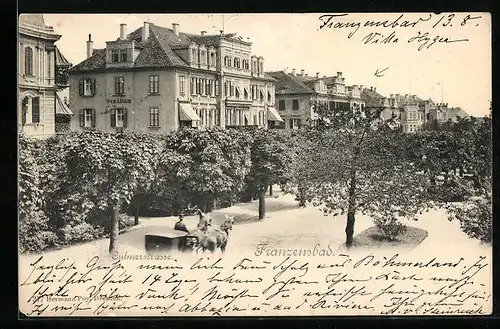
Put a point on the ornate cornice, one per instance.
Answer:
(39, 32)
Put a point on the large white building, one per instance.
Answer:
(158, 79)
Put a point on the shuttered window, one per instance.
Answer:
(87, 87)
(87, 118)
(118, 118)
(35, 110)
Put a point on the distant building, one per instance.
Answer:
(297, 94)
(159, 79)
(38, 62)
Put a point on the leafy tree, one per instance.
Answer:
(358, 163)
(99, 173)
(271, 163)
(214, 166)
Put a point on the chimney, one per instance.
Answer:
(324, 76)
(203, 33)
(317, 74)
(371, 88)
(123, 31)
(175, 28)
(302, 72)
(293, 71)
(361, 88)
(375, 89)
(339, 74)
(145, 32)
(285, 70)
(90, 44)
(306, 75)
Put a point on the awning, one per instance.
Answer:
(186, 113)
(62, 108)
(273, 115)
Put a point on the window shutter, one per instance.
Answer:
(82, 117)
(23, 117)
(81, 87)
(35, 110)
(124, 118)
(93, 118)
(112, 116)
(92, 87)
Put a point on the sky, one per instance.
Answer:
(450, 70)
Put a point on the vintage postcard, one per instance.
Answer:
(255, 164)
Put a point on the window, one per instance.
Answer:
(28, 61)
(295, 104)
(237, 63)
(123, 55)
(212, 59)
(203, 58)
(87, 87)
(182, 87)
(216, 87)
(24, 109)
(191, 86)
(87, 118)
(245, 64)
(118, 118)
(119, 85)
(154, 117)
(237, 92)
(154, 84)
(246, 93)
(281, 105)
(261, 93)
(114, 56)
(35, 110)
(269, 97)
(294, 123)
(194, 56)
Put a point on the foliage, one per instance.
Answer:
(34, 234)
(206, 166)
(359, 163)
(475, 217)
(390, 227)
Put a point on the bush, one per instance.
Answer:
(475, 217)
(389, 227)
(452, 191)
(34, 233)
(80, 232)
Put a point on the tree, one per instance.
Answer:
(359, 163)
(216, 163)
(99, 173)
(271, 163)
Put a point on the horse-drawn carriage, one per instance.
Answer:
(204, 237)
(169, 240)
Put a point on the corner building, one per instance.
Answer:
(159, 79)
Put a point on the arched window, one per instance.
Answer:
(237, 63)
(28, 61)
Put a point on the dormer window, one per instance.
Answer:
(194, 56)
(203, 57)
(212, 59)
(237, 63)
(115, 56)
(123, 55)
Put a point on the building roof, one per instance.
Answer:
(60, 59)
(158, 50)
(457, 112)
(289, 84)
(94, 62)
(371, 98)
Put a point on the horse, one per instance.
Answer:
(204, 221)
(213, 237)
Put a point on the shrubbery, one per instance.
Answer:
(390, 227)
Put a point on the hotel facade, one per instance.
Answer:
(159, 79)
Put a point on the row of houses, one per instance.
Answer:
(158, 79)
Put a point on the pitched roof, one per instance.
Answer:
(60, 59)
(94, 62)
(457, 111)
(289, 84)
(371, 98)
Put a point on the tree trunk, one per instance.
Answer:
(271, 189)
(136, 214)
(349, 229)
(115, 228)
(262, 203)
